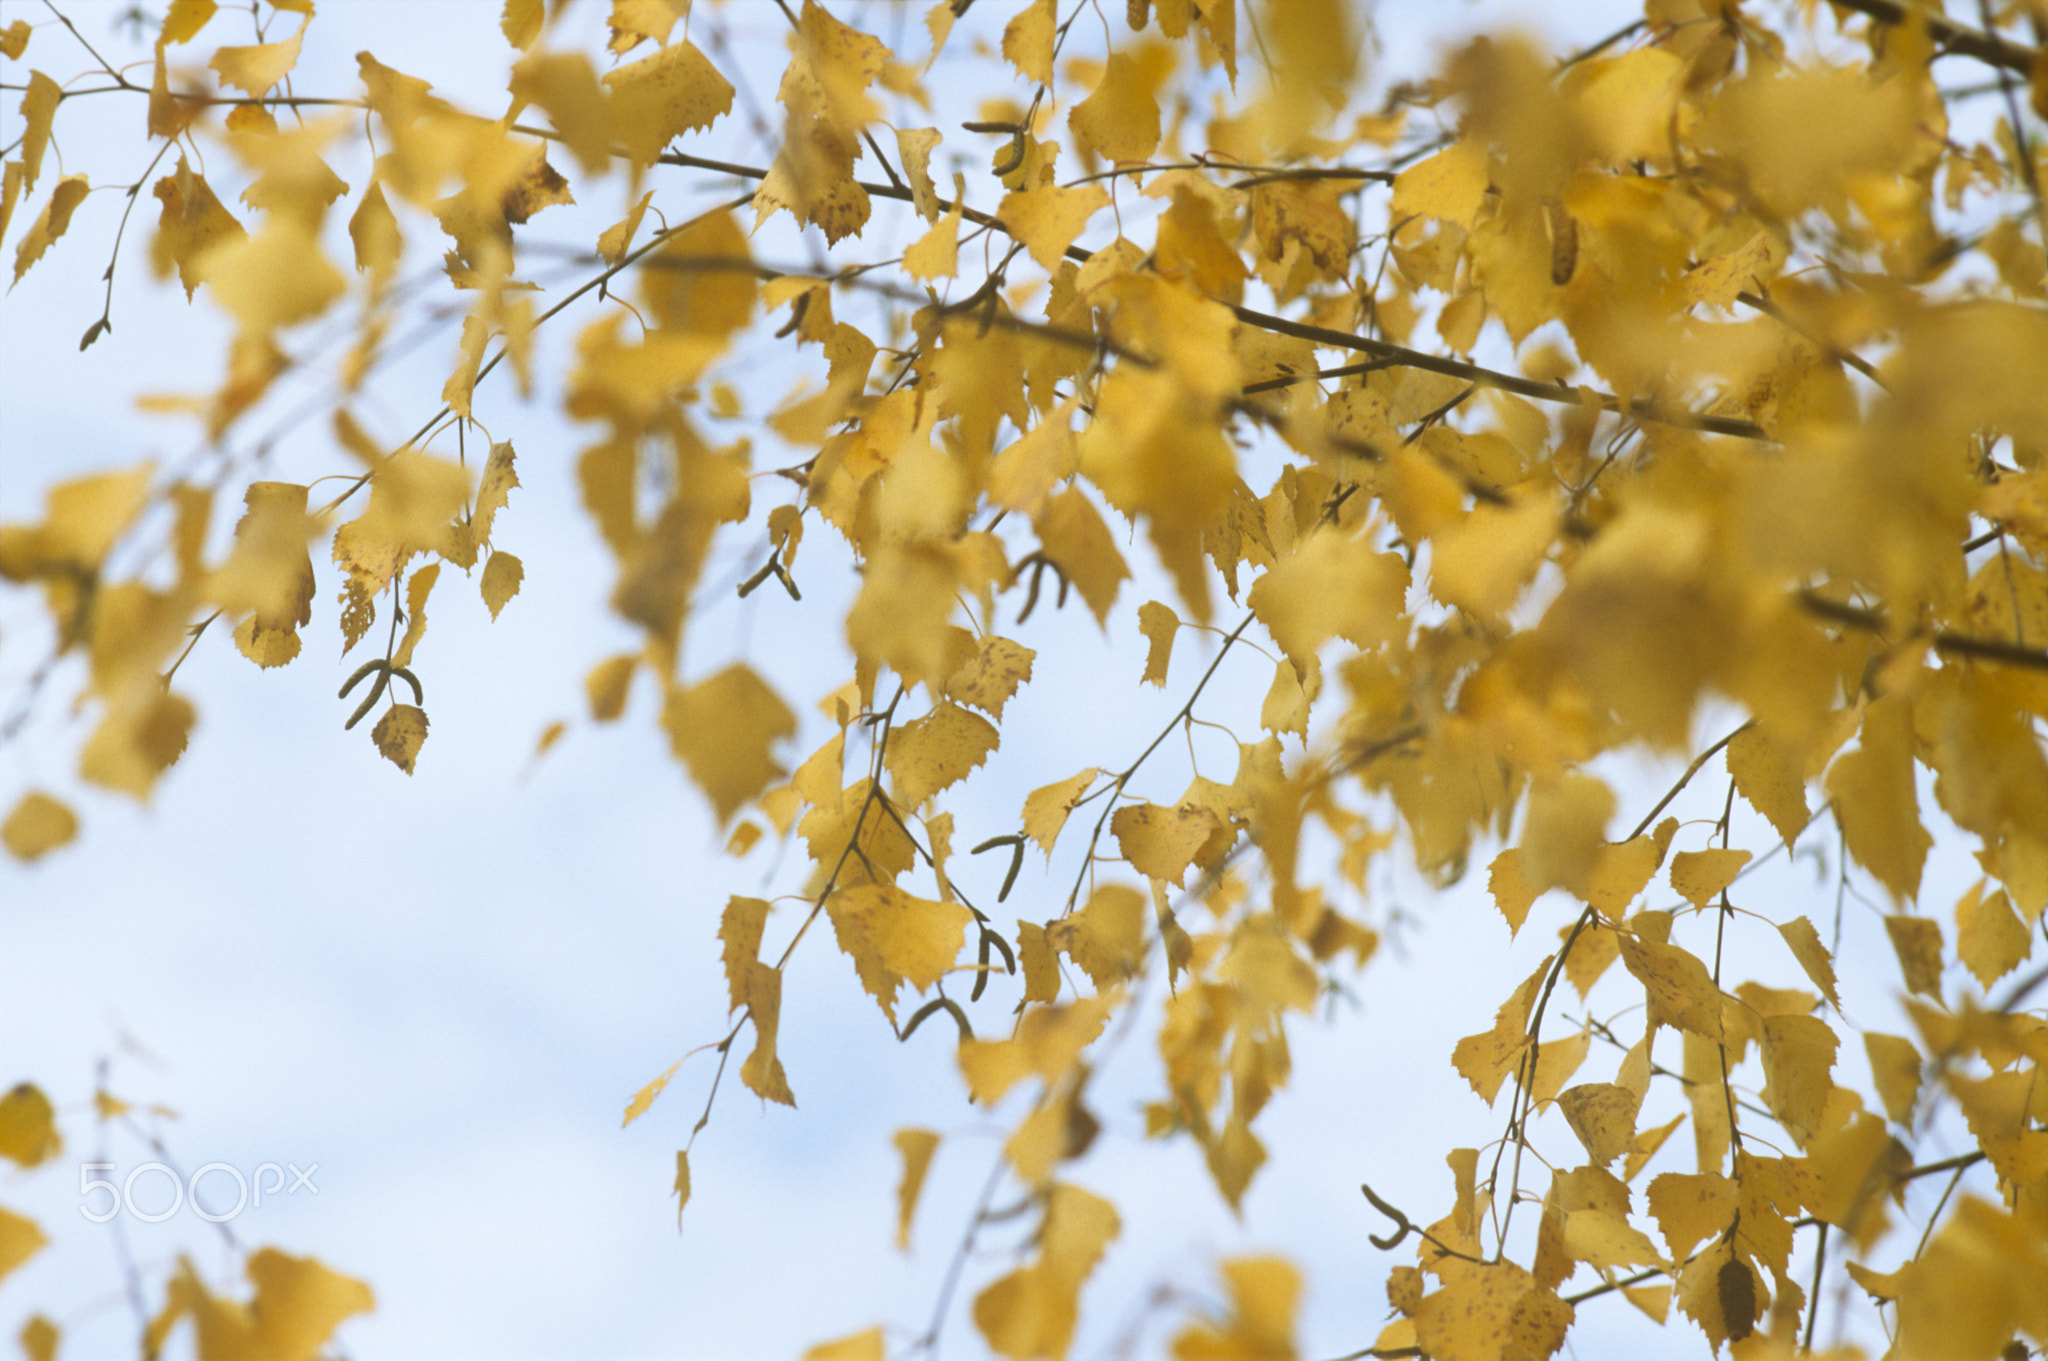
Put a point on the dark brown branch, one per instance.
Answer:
(1947, 643)
(1506, 382)
(1952, 36)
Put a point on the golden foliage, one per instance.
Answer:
(1534, 420)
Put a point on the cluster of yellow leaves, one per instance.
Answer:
(1694, 491)
(297, 1302)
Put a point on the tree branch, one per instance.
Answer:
(1952, 36)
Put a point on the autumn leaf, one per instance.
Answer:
(916, 1147)
(1485, 1060)
(644, 1098)
(28, 1130)
(38, 825)
(50, 224)
(930, 754)
(660, 97)
(722, 728)
(894, 937)
(400, 734)
(20, 1238)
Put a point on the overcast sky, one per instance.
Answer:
(440, 991)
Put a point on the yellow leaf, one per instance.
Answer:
(19, 1239)
(1717, 280)
(1976, 1286)
(1191, 245)
(1265, 1296)
(740, 929)
(298, 1303)
(499, 478)
(1799, 1055)
(1022, 475)
(38, 825)
(1048, 218)
(989, 681)
(10, 194)
(937, 751)
(698, 282)
(1603, 1116)
(1041, 969)
(372, 228)
(1768, 773)
(1645, 1145)
(1564, 833)
(1106, 938)
(39, 107)
(723, 729)
(137, 741)
(681, 1188)
(193, 221)
(39, 1339)
(1699, 875)
(644, 1098)
(400, 734)
(502, 575)
(1689, 1208)
(617, 239)
(1046, 809)
(1917, 943)
(1628, 103)
(14, 39)
(1512, 892)
(1482, 562)
(1606, 1240)
(1804, 942)
(1895, 1070)
(1990, 938)
(1032, 1311)
(1333, 586)
(1556, 1061)
(277, 277)
(50, 224)
(1851, 1166)
(1450, 185)
(916, 1147)
(1875, 802)
(28, 1130)
(1048, 1043)
(521, 20)
(1485, 1060)
(1158, 624)
(1488, 1310)
(914, 151)
(1620, 871)
(1680, 990)
(607, 685)
(1161, 842)
(1306, 213)
(936, 254)
(1028, 41)
(255, 69)
(1073, 537)
(762, 1072)
(893, 938)
(1598, 946)
(660, 97)
(1120, 120)
(185, 18)
(416, 592)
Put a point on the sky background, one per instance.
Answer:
(443, 989)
